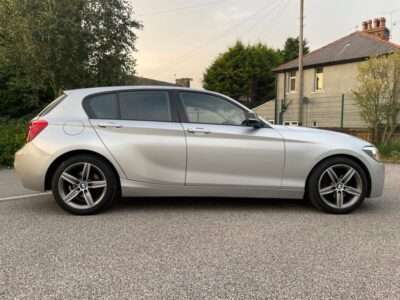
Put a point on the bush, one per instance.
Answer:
(12, 138)
(390, 151)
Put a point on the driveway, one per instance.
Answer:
(201, 249)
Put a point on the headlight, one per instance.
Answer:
(372, 151)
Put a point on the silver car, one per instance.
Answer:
(92, 146)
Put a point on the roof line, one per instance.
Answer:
(316, 50)
(378, 39)
(364, 34)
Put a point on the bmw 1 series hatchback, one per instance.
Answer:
(92, 146)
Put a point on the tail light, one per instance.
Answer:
(34, 128)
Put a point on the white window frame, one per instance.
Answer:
(319, 72)
(291, 77)
(291, 123)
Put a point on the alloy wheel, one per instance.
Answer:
(340, 186)
(82, 185)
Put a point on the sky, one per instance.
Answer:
(181, 38)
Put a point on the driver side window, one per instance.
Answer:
(209, 109)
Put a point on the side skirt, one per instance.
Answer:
(140, 189)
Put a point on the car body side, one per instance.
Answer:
(71, 131)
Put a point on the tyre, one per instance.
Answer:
(85, 184)
(338, 185)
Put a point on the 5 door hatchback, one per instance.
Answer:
(92, 146)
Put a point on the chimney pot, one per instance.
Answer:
(383, 22)
(377, 23)
(365, 26)
(377, 28)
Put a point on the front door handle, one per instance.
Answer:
(198, 131)
(110, 125)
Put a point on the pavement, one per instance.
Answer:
(201, 249)
(10, 186)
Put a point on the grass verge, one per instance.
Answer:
(390, 152)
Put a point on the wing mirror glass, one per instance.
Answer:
(253, 121)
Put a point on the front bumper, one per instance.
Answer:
(31, 164)
(377, 173)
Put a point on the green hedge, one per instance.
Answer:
(390, 151)
(12, 138)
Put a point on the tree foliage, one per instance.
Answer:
(378, 96)
(244, 71)
(291, 49)
(47, 46)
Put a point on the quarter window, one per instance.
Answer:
(319, 79)
(209, 109)
(145, 106)
(103, 106)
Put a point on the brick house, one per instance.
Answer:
(330, 76)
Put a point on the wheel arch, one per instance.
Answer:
(355, 159)
(54, 165)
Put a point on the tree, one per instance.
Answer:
(378, 96)
(291, 49)
(52, 45)
(244, 72)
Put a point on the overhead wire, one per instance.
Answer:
(182, 8)
(262, 10)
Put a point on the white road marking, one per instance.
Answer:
(24, 196)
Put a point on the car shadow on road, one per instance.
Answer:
(48, 205)
(227, 204)
(207, 203)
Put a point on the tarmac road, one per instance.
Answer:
(202, 249)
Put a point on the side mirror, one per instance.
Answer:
(253, 121)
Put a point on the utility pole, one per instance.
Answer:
(301, 75)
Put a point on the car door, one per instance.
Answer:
(141, 130)
(224, 152)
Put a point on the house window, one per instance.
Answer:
(292, 81)
(319, 79)
(291, 123)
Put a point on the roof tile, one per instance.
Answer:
(355, 46)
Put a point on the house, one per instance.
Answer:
(136, 80)
(330, 76)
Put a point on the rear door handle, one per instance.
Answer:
(198, 131)
(109, 125)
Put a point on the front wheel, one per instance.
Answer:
(84, 185)
(338, 185)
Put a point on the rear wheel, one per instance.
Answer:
(338, 185)
(84, 185)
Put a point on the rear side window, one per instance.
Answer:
(52, 105)
(103, 106)
(145, 106)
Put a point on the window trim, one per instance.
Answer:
(289, 82)
(173, 107)
(185, 118)
(316, 90)
(52, 105)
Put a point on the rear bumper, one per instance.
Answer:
(377, 173)
(31, 164)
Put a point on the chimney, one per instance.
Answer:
(377, 28)
(183, 82)
(365, 26)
